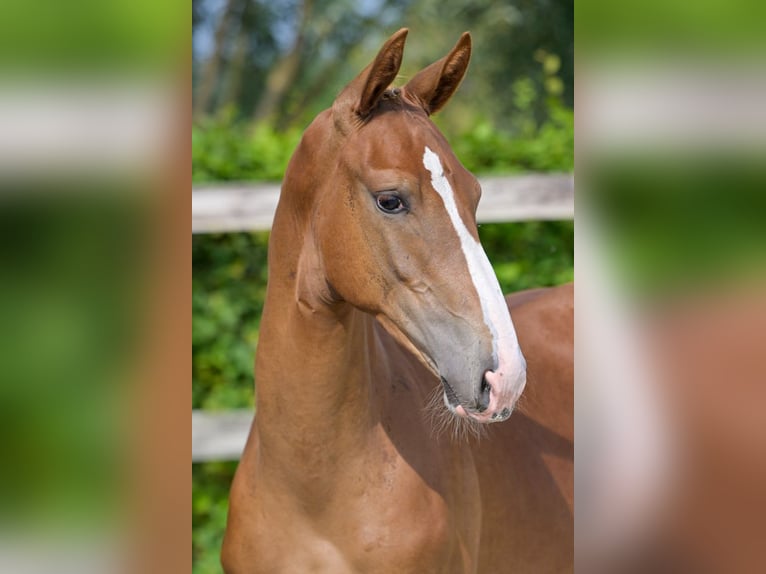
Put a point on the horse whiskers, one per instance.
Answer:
(442, 421)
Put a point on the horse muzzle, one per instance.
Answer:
(498, 393)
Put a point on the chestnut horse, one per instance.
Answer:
(383, 321)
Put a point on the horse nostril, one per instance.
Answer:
(483, 401)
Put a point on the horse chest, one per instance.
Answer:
(381, 515)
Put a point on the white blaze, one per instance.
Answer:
(505, 346)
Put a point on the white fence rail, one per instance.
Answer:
(250, 207)
(219, 435)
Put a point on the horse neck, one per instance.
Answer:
(314, 358)
(313, 374)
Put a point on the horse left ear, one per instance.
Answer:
(363, 93)
(433, 86)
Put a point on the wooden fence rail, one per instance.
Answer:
(219, 435)
(250, 207)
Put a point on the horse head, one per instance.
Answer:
(390, 215)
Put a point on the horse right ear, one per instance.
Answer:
(363, 93)
(434, 85)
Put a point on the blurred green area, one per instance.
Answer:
(70, 306)
(109, 38)
(681, 223)
(224, 149)
(661, 28)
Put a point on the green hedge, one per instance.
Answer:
(225, 150)
(548, 147)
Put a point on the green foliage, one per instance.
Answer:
(485, 150)
(700, 30)
(224, 149)
(530, 147)
(681, 224)
(85, 39)
(72, 306)
(210, 504)
(228, 289)
(530, 254)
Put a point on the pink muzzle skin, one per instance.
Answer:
(506, 386)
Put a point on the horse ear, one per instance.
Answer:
(361, 95)
(433, 86)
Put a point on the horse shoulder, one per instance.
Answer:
(544, 321)
(528, 461)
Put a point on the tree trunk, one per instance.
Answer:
(283, 74)
(211, 71)
(235, 77)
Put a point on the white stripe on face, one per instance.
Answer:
(505, 346)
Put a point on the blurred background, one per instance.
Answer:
(261, 73)
(91, 103)
(671, 298)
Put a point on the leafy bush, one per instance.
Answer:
(530, 254)
(210, 505)
(228, 288)
(532, 146)
(226, 150)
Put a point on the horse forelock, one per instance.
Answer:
(347, 121)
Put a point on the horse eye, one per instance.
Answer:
(390, 203)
